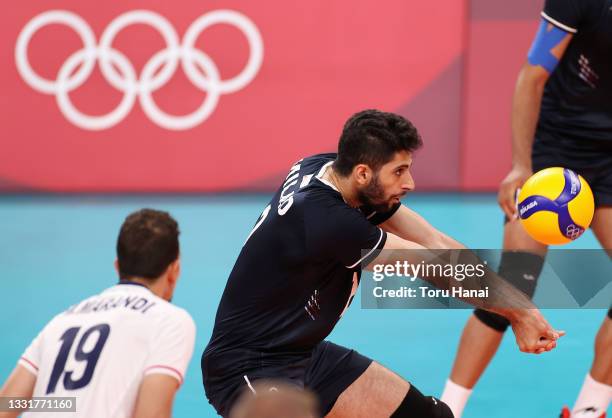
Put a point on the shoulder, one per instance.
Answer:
(59, 317)
(320, 158)
(324, 209)
(180, 315)
(574, 15)
(173, 325)
(318, 198)
(171, 313)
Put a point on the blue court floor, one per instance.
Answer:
(56, 250)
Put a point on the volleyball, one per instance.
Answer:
(556, 206)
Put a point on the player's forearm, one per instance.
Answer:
(451, 243)
(525, 113)
(153, 409)
(20, 384)
(505, 299)
(410, 226)
(498, 296)
(7, 414)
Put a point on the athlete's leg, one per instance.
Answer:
(275, 399)
(602, 227)
(484, 331)
(596, 391)
(380, 393)
(350, 385)
(477, 346)
(602, 363)
(601, 370)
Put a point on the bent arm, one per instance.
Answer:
(503, 298)
(409, 225)
(533, 333)
(156, 396)
(20, 384)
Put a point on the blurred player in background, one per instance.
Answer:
(300, 267)
(275, 399)
(561, 117)
(123, 352)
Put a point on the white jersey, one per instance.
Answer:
(100, 349)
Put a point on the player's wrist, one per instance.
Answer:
(522, 166)
(515, 315)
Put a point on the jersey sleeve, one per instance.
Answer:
(376, 218)
(333, 229)
(31, 357)
(564, 14)
(173, 347)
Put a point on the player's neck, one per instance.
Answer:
(157, 286)
(344, 187)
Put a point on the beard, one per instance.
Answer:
(373, 196)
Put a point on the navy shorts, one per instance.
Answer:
(592, 160)
(326, 371)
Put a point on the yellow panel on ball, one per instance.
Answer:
(582, 207)
(543, 227)
(548, 183)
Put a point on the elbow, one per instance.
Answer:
(533, 77)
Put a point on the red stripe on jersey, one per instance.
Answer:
(30, 363)
(159, 366)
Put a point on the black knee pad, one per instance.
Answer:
(521, 269)
(416, 405)
(610, 313)
(492, 320)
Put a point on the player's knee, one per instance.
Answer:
(441, 410)
(521, 269)
(492, 320)
(445, 411)
(416, 405)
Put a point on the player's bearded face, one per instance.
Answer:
(374, 195)
(388, 184)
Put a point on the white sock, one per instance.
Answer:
(593, 395)
(455, 396)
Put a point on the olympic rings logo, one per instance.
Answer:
(120, 73)
(572, 231)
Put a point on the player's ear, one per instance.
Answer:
(175, 270)
(177, 267)
(116, 264)
(362, 173)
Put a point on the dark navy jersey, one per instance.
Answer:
(299, 267)
(577, 102)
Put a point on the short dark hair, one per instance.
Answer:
(373, 137)
(147, 244)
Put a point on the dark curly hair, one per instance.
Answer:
(373, 137)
